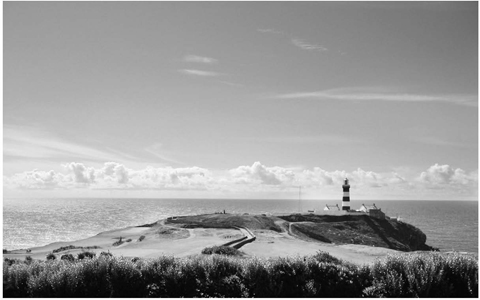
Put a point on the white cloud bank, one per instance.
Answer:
(437, 182)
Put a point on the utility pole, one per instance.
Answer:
(300, 199)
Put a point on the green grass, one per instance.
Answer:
(320, 275)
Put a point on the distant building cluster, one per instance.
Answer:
(370, 210)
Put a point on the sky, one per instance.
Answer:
(246, 100)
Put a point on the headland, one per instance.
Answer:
(356, 238)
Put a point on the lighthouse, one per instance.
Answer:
(346, 195)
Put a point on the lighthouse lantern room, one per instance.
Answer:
(346, 196)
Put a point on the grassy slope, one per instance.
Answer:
(227, 221)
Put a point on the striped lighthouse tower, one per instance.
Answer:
(346, 195)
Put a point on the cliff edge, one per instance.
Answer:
(363, 230)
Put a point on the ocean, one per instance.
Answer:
(449, 225)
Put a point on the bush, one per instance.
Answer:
(118, 243)
(223, 250)
(141, 238)
(64, 248)
(86, 254)
(322, 256)
(51, 256)
(425, 275)
(67, 257)
(10, 261)
(320, 275)
(106, 254)
(28, 259)
(128, 241)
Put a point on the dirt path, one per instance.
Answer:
(191, 234)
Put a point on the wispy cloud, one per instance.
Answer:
(199, 73)
(308, 46)
(300, 43)
(158, 151)
(317, 139)
(34, 143)
(382, 94)
(199, 59)
(435, 141)
(231, 83)
(271, 31)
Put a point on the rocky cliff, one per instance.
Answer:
(362, 230)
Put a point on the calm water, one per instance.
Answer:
(37, 222)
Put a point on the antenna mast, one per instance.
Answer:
(300, 199)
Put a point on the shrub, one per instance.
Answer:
(128, 241)
(5, 251)
(15, 279)
(118, 243)
(67, 257)
(10, 261)
(141, 238)
(64, 248)
(51, 256)
(322, 256)
(223, 250)
(425, 275)
(106, 254)
(28, 259)
(412, 275)
(86, 254)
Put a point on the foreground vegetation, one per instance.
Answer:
(223, 250)
(321, 275)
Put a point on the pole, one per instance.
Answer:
(300, 199)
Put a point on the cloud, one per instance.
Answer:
(199, 73)
(269, 30)
(26, 142)
(437, 182)
(318, 139)
(307, 46)
(115, 171)
(260, 174)
(158, 151)
(199, 59)
(33, 180)
(231, 83)
(430, 140)
(439, 176)
(382, 94)
(81, 174)
(297, 42)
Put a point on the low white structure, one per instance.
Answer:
(372, 211)
(331, 207)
